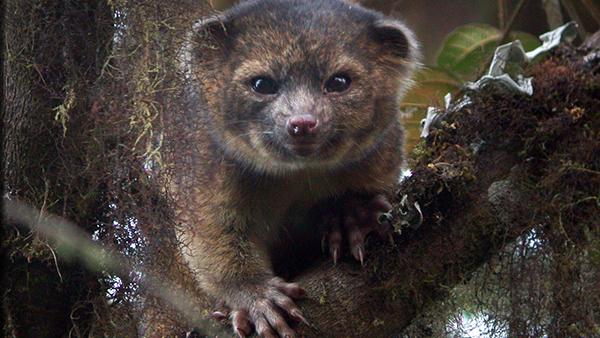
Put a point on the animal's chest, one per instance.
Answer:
(281, 210)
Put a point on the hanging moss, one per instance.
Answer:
(545, 282)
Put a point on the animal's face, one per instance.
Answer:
(292, 84)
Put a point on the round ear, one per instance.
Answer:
(397, 42)
(212, 33)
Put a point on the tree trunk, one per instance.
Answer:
(55, 50)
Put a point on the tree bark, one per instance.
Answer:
(54, 53)
(362, 302)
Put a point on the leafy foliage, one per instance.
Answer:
(464, 56)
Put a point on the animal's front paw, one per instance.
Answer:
(264, 308)
(357, 217)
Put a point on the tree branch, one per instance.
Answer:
(474, 202)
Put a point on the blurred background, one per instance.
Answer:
(432, 20)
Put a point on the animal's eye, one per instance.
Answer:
(337, 83)
(264, 85)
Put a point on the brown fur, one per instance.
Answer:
(246, 195)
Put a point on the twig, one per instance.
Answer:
(506, 31)
(511, 21)
(55, 262)
(502, 13)
(99, 259)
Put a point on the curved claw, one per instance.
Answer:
(292, 290)
(359, 254)
(221, 311)
(359, 218)
(335, 255)
(241, 323)
(268, 310)
(218, 315)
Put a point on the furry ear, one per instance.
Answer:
(397, 42)
(212, 33)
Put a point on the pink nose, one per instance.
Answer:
(301, 125)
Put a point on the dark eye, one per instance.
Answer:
(264, 85)
(337, 83)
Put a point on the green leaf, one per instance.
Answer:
(529, 41)
(467, 49)
(432, 84)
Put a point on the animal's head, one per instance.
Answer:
(293, 84)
